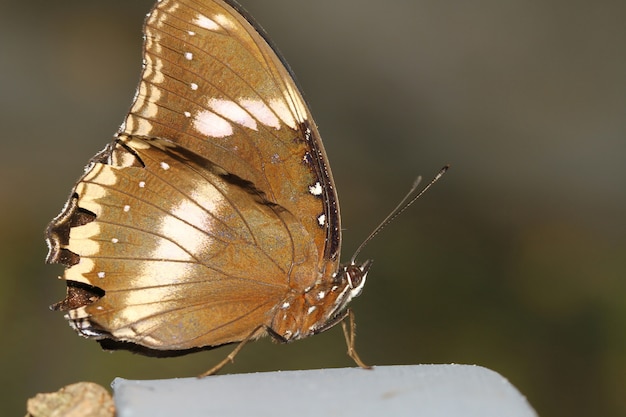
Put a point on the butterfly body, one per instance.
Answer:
(212, 217)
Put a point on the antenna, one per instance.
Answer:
(402, 205)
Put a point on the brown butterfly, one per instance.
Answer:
(212, 217)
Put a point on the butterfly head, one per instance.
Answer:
(320, 306)
(352, 278)
(347, 283)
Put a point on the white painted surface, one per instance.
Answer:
(412, 390)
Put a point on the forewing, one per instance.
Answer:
(213, 84)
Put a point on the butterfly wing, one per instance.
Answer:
(187, 253)
(213, 84)
(214, 201)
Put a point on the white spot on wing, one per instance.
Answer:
(165, 166)
(232, 111)
(142, 184)
(261, 112)
(115, 240)
(283, 112)
(188, 56)
(193, 86)
(101, 274)
(126, 208)
(316, 189)
(182, 240)
(212, 125)
(321, 220)
(204, 22)
(224, 21)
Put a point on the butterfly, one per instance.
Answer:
(212, 217)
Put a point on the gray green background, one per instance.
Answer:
(515, 261)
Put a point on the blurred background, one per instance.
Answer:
(515, 261)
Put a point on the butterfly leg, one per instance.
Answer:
(231, 356)
(349, 333)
